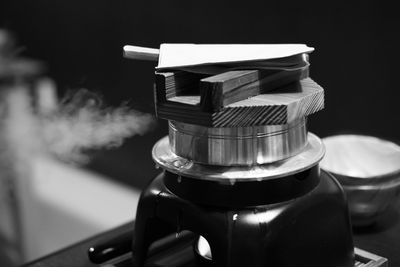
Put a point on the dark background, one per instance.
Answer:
(81, 41)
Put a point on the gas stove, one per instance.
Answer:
(240, 183)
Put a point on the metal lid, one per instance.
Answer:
(310, 156)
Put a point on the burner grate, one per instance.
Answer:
(367, 259)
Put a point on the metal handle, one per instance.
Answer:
(111, 248)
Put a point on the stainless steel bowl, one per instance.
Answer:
(368, 169)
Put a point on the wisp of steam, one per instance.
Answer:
(82, 122)
(66, 129)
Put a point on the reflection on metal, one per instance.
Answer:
(310, 156)
(368, 168)
(361, 156)
(237, 146)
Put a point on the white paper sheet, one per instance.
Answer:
(189, 55)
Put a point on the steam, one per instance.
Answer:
(82, 122)
(67, 129)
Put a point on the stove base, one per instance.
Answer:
(303, 231)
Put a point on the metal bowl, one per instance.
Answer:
(368, 169)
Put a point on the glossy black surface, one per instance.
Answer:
(304, 231)
(243, 194)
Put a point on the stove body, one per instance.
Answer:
(285, 212)
(306, 230)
